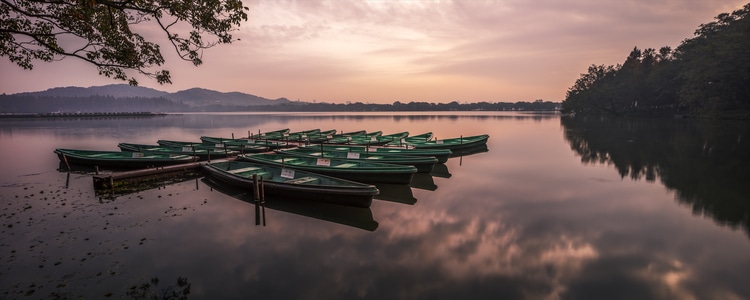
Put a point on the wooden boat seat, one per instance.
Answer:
(301, 180)
(242, 170)
(347, 165)
(264, 175)
(285, 160)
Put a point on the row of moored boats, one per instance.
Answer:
(312, 164)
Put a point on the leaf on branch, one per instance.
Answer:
(102, 32)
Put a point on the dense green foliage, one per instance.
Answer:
(103, 32)
(707, 75)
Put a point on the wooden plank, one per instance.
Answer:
(301, 180)
(106, 180)
(235, 171)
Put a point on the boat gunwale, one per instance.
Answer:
(355, 194)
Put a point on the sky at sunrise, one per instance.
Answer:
(382, 51)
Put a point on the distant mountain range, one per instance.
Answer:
(126, 98)
(195, 97)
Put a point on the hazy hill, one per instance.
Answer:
(114, 90)
(193, 97)
(203, 97)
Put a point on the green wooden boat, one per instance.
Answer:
(360, 171)
(278, 134)
(453, 144)
(419, 137)
(404, 141)
(396, 136)
(321, 136)
(356, 137)
(344, 136)
(293, 183)
(299, 136)
(268, 134)
(201, 153)
(422, 163)
(374, 140)
(271, 144)
(242, 148)
(119, 159)
(441, 155)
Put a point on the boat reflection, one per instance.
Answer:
(440, 170)
(127, 187)
(76, 168)
(399, 193)
(345, 215)
(423, 181)
(470, 151)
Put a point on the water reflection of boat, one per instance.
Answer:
(147, 183)
(345, 215)
(441, 170)
(423, 181)
(399, 193)
(469, 151)
(76, 168)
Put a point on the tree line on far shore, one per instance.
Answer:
(46, 104)
(705, 76)
(537, 105)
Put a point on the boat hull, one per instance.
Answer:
(453, 144)
(441, 155)
(354, 171)
(338, 191)
(119, 160)
(423, 164)
(242, 148)
(201, 153)
(239, 143)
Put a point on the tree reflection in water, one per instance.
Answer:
(707, 163)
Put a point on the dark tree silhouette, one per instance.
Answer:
(707, 75)
(103, 32)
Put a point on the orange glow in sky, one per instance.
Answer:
(381, 51)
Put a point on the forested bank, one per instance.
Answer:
(15, 104)
(707, 75)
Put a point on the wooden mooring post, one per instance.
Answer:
(65, 158)
(263, 199)
(256, 189)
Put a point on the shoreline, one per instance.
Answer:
(81, 114)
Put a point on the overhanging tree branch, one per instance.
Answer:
(99, 32)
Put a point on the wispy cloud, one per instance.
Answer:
(386, 50)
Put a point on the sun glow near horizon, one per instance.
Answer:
(389, 50)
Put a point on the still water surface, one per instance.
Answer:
(556, 209)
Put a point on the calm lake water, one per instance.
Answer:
(555, 209)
